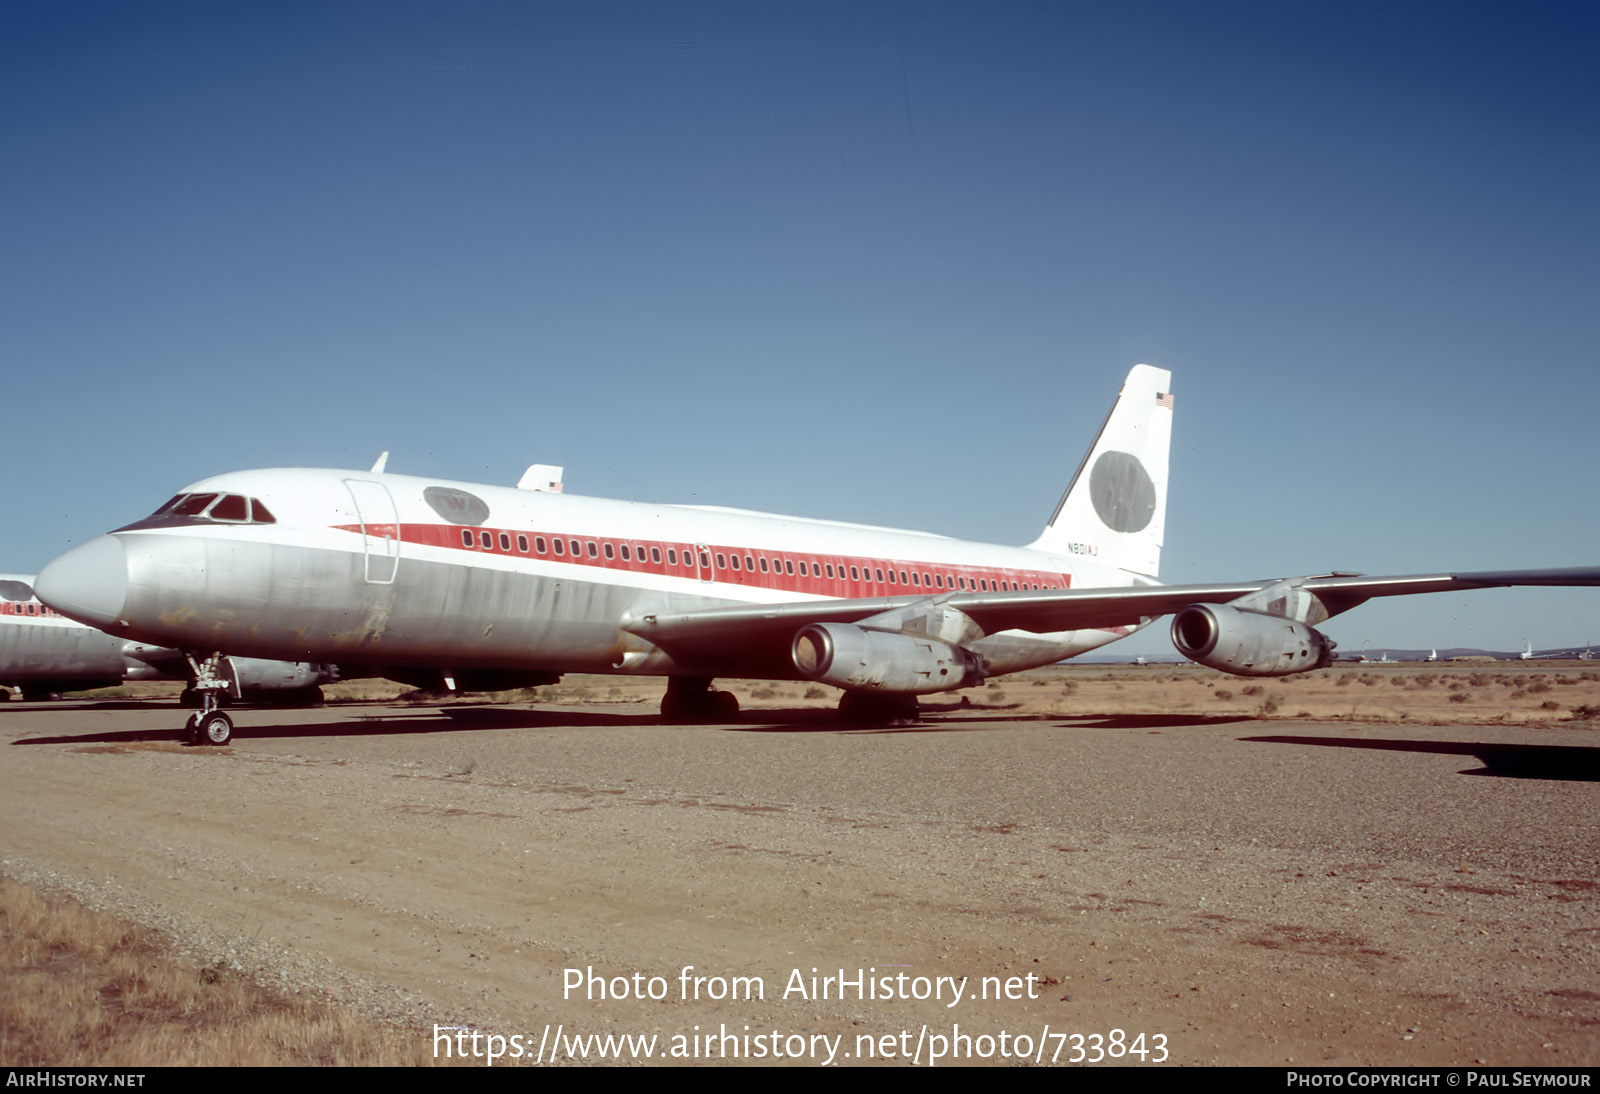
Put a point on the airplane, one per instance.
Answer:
(481, 587)
(43, 653)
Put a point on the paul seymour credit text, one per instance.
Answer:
(913, 1043)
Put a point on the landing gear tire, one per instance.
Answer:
(692, 702)
(215, 728)
(869, 709)
(39, 695)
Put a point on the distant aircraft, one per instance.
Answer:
(1433, 655)
(1527, 654)
(43, 653)
(484, 587)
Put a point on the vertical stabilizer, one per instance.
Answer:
(1115, 510)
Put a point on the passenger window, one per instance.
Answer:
(788, 565)
(705, 561)
(610, 552)
(466, 537)
(594, 551)
(538, 544)
(855, 574)
(577, 548)
(486, 539)
(505, 542)
(722, 561)
(763, 564)
(830, 571)
(735, 561)
(627, 555)
(522, 544)
(672, 557)
(655, 555)
(749, 563)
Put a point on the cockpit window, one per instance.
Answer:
(191, 506)
(231, 507)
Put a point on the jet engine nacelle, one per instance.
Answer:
(860, 659)
(255, 674)
(1248, 643)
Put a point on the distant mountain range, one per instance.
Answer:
(1378, 654)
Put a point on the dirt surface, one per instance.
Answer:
(1253, 891)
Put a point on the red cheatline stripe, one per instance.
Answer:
(800, 572)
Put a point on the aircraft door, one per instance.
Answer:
(380, 529)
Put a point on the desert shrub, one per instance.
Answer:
(1538, 689)
(1343, 681)
(1519, 695)
(815, 692)
(1586, 710)
(763, 692)
(1461, 697)
(1253, 689)
(1550, 704)
(1269, 707)
(1223, 693)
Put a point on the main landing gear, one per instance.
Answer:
(870, 708)
(213, 679)
(690, 701)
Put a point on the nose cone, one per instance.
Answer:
(88, 583)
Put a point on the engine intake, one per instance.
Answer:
(1248, 643)
(860, 659)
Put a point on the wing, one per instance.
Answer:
(755, 637)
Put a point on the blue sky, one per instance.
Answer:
(861, 260)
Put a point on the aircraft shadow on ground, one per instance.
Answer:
(396, 723)
(967, 719)
(1566, 763)
(400, 721)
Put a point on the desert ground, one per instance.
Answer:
(1369, 864)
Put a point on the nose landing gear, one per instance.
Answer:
(213, 678)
